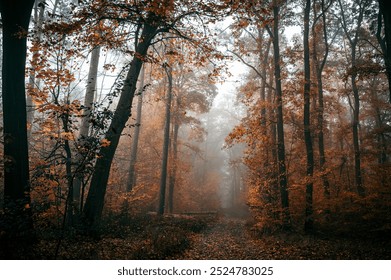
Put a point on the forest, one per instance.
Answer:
(202, 129)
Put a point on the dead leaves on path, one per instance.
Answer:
(230, 239)
(199, 239)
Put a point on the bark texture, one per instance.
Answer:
(15, 19)
(166, 144)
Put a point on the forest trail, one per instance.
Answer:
(227, 238)
(231, 239)
(214, 238)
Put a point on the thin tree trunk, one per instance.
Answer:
(356, 137)
(309, 219)
(264, 60)
(381, 138)
(356, 123)
(172, 177)
(380, 127)
(320, 119)
(385, 11)
(321, 145)
(264, 57)
(95, 198)
(272, 135)
(282, 176)
(90, 92)
(134, 149)
(356, 96)
(39, 9)
(69, 205)
(272, 119)
(15, 21)
(85, 122)
(166, 143)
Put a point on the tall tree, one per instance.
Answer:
(85, 121)
(385, 14)
(15, 21)
(319, 64)
(353, 39)
(309, 222)
(173, 172)
(282, 176)
(39, 8)
(166, 143)
(135, 139)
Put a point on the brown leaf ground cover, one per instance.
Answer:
(220, 238)
(231, 239)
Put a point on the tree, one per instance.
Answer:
(319, 64)
(39, 8)
(385, 42)
(135, 139)
(309, 222)
(282, 176)
(15, 21)
(85, 121)
(166, 142)
(173, 173)
(353, 40)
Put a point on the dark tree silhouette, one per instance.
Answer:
(15, 19)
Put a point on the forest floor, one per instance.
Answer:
(230, 238)
(219, 238)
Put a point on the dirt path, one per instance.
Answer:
(215, 239)
(229, 238)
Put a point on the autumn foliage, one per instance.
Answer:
(304, 147)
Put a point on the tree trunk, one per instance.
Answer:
(309, 220)
(39, 9)
(385, 10)
(264, 57)
(320, 118)
(85, 122)
(166, 143)
(90, 92)
(283, 182)
(356, 137)
(134, 149)
(69, 205)
(272, 132)
(356, 122)
(265, 102)
(356, 96)
(272, 121)
(95, 198)
(15, 20)
(172, 178)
